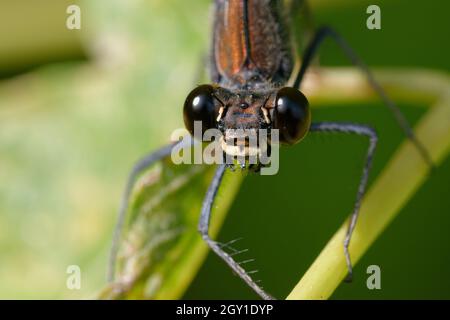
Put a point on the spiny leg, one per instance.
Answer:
(312, 50)
(143, 164)
(372, 135)
(203, 228)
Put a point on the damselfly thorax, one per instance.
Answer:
(251, 61)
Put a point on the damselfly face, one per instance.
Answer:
(251, 62)
(243, 115)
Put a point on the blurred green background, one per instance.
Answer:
(78, 107)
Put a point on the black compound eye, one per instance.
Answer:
(292, 115)
(200, 106)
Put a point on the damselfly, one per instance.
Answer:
(255, 86)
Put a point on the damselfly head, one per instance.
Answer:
(247, 118)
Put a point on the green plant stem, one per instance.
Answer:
(397, 183)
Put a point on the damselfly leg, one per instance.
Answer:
(312, 50)
(203, 228)
(372, 135)
(308, 56)
(142, 165)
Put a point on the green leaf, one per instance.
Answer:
(161, 249)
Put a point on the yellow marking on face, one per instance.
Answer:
(266, 115)
(220, 114)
